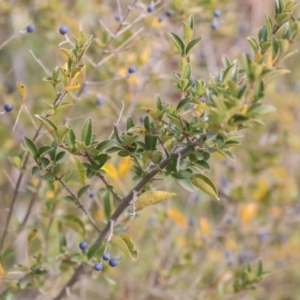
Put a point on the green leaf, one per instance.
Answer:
(107, 205)
(86, 132)
(275, 47)
(186, 184)
(62, 131)
(150, 198)
(62, 243)
(95, 250)
(254, 44)
(31, 147)
(125, 243)
(279, 6)
(226, 154)
(182, 104)
(150, 142)
(43, 150)
(263, 34)
(82, 190)
(187, 71)
(205, 184)
(73, 222)
(129, 123)
(80, 169)
(178, 43)
(191, 44)
(49, 125)
(187, 32)
(100, 160)
(190, 22)
(103, 145)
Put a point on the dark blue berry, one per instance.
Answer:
(8, 107)
(142, 118)
(99, 100)
(98, 266)
(192, 80)
(30, 28)
(83, 245)
(91, 194)
(214, 25)
(217, 13)
(150, 9)
(113, 262)
(131, 69)
(63, 29)
(160, 19)
(106, 256)
(118, 17)
(168, 13)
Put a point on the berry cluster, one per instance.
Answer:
(215, 24)
(98, 266)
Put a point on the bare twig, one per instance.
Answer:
(78, 203)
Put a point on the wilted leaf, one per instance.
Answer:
(149, 198)
(21, 88)
(125, 243)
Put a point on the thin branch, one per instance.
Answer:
(78, 203)
(107, 185)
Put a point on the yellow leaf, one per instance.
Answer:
(21, 88)
(72, 86)
(125, 243)
(248, 212)
(204, 226)
(1, 271)
(149, 198)
(176, 216)
(124, 166)
(111, 171)
(31, 236)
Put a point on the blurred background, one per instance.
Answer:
(190, 247)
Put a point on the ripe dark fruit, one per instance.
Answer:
(63, 29)
(83, 245)
(99, 100)
(160, 19)
(214, 25)
(131, 69)
(168, 13)
(217, 13)
(30, 28)
(98, 266)
(118, 18)
(106, 256)
(8, 107)
(91, 194)
(150, 9)
(113, 262)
